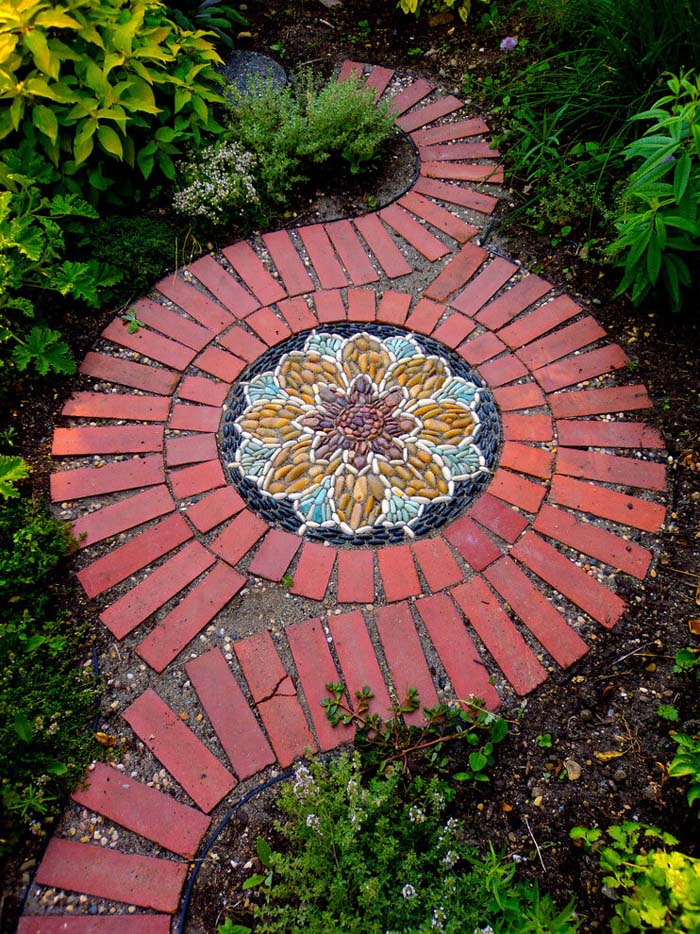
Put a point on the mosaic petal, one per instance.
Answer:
(365, 355)
(300, 373)
(328, 344)
(316, 505)
(421, 376)
(272, 422)
(358, 499)
(292, 473)
(264, 386)
(400, 509)
(253, 457)
(444, 422)
(463, 462)
(419, 476)
(459, 390)
(401, 347)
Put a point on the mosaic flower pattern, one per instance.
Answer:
(359, 432)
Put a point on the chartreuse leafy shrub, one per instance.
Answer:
(686, 763)
(107, 89)
(428, 7)
(369, 856)
(279, 138)
(657, 888)
(658, 223)
(212, 15)
(46, 697)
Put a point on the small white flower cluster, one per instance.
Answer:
(304, 783)
(450, 859)
(438, 920)
(487, 930)
(416, 815)
(313, 821)
(408, 891)
(220, 179)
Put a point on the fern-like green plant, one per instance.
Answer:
(12, 470)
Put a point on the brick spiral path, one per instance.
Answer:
(497, 598)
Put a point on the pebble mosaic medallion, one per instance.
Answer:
(360, 436)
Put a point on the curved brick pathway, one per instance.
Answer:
(496, 598)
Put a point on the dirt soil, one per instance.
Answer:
(605, 704)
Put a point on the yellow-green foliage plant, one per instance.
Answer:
(104, 87)
(418, 7)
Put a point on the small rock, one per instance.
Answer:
(620, 775)
(573, 769)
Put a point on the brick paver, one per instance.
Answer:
(288, 262)
(362, 305)
(117, 405)
(393, 308)
(274, 555)
(398, 573)
(221, 363)
(461, 129)
(269, 327)
(536, 462)
(414, 233)
(437, 563)
(195, 417)
(151, 345)
(516, 299)
(201, 389)
(607, 504)
(405, 657)
(585, 366)
(198, 479)
(382, 245)
(562, 342)
(127, 373)
(322, 255)
(499, 518)
(261, 283)
(599, 401)
(196, 303)
(329, 306)
(115, 439)
(379, 79)
(313, 571)
(190, 449)
(214, 508)
(456, 272)
(438, 217)
(462, 171)
(481, 288)
(518, 491)
(472, 544)
(456, 194)
(609, 468)
(126, 514)
(351, 252)
(111, 478)
(442, 153)
(411, 95)
(425, 316)
(539, 321)
(242, 344)
(430, 113)
(172, 324)
(297, 314)
(358, 660)
(239, 536)
(94, 924)
(608, 435)
(356, 577)
(223, 286)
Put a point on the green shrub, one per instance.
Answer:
(659, 219)
(46, 699)
(686, 763)
(381, 856)
(429, 7)
(104, 88)
(211, 15)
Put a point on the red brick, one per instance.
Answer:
(380, 242)
(437, 563)
(463, 172)
(215, 508)
(379, 79)
(527, 427)
(545, 622)
(261, 665)
(94, 924)
(409, 228)
(350, 69)
(114, 439)
(425, 316)
(220, 363)
(117, 405)
(522, 396)
(405, 657)
(134, 555)
(201, 389)
(190, 449)
(288, 262)
(571, 581)
(94, 870)
(458, 270)
(512, 654)
(561, 342)
(187, 759)
(243, 344)
(458, 654)
(525, 459)
(486, 284)
(398, 573)
(504, 370)
(161, 585)
(393, 307)
(128, 373)
(150, 345)
(607, 504)
(239, 536)
(454, 329)
(362, 305)
(430, 113)
(456, 194)
(197, 479)
(171, 324)
(126, 514)
(447, 132)
(112, 478)
(478, 349)
(195, 417)
(498, 518)
(323, 258)
(457, 151)
(438, 217)
(268, 326)
(261, 283)
(539, 321)
(195, 303)
(598, 543)
(186, 620)
(234, 722)
(582, 367)
(351, 252)
(517, 491)
(329, 306)
(275, 555)
(313, 571)
(297, 314)
(608, 468)
(145, 811)
(316, 668)
(221, 284)
(355, 577)
(504, 308)
(472, 544)
(410, 96)
(358, 660)
(608, 434)
(599, 401)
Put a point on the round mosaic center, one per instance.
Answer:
(360, 435)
